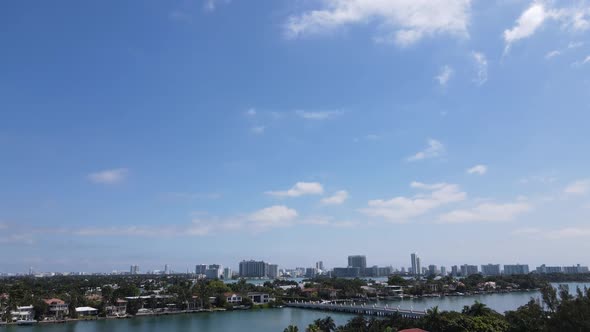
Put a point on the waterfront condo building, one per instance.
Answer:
(491, 270)
(253, 269)
(467, 270)
(359, 261)
(513, 269)
(416, 268)
(273, 271)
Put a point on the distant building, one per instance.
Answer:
(424, 271)
(491, 270)
(200, 269)
(359, 261)
(416, 268)
(346, 272)
(273, 271)
(259, 298)
(514, 269)
(319, 265)
(227, 273)
(311, 272)
(467, 270)
(454, 270)
(385, 271)
(575, 269)
(166, 270)
(543, 269)
(134, 269)
(432, 270)
(443, 271)
(214, 271)
(253, 269)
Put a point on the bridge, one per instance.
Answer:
(358, 309)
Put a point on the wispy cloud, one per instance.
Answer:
(258, 130)
(433, 150)
(110, 176)
(300, 189)
(402, 22)
(211, 5)
(401, 209)
(579, 187)
(445, 74)
(487, 212)
(481, 65)
(478, 169)
(318, 115)
(338, 198)
(552, 54)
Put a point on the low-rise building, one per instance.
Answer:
(23, 313)
(119, 309)
(232, 298)
(259, 298)
(86, 311)
(57, 308)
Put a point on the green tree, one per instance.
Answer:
(291, 328)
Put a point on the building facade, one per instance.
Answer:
(491, 270)
(514, 269)
(253, 269)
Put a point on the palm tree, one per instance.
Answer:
(313, 328)
(477, 309)
(291, 328)
(326, 324)
(433, 319)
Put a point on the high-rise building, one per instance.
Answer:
(443, 271)
(467, 270)
(490, 270)
(200, 269)
(166, 271)
(359, 261)
(513, 269)
(319, 265)
(311, 272)
(134, 269)
(416, 268)
(432, 270)
(454, 270)
(346, 272)
(227, 273)
(214, 271)
(273, 271)
(253, 269)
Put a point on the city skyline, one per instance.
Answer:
(290, 132)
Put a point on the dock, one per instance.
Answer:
(358, 309)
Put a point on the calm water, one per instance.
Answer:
(272, 320)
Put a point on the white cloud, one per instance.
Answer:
(300, 189)
(555, 234)
(552, 54)
(478, 169)
(575, 45)
(338, 198)
(445, 74)
(492, 212)
(481, 65)
(111, 176)
(274, 216)
(587, 60)
(251, 112)
(211, 5)
(258, 130)
(434, 149)
(579, 187)
(318, 115)
(400, 209)
(574, 18)
(401, 21)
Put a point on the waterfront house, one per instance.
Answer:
(233, 298)
(259, 298)
(57, 308)
(119, 309)
(23, 313)
(86, 311)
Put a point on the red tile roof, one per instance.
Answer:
(53, 301)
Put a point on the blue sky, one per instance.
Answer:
(186, 132)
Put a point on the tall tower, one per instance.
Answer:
(416, 266)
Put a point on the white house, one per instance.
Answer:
(233, 298)
(86, 311)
